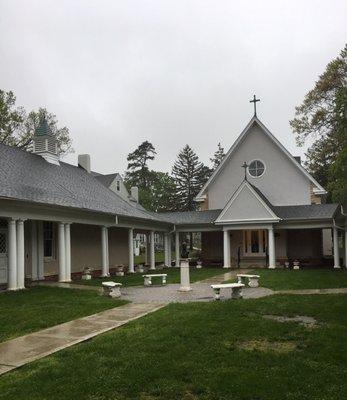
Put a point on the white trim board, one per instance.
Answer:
(246, 186)
(319, 189)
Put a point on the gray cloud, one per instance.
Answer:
(173, 72)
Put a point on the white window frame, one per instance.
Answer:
(250, 162)
(247, 238)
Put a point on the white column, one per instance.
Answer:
(40, 254)
(34, 274)
(177, 249)
(336, 248)
(20, 255)
(12, 255)
(185, 278)
(61, 252)
(67, 253)
(104, 250)
(131, 250)
(226, 249)
(166, 249)
(152, 251)
(169, 254)
(272, 252)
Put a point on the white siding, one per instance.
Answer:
(282, 183)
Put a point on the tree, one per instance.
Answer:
(217, 157)
(160, 196)
(138, 173)
(317, 118)
(338, 169)
(17, 128)
(189, 175)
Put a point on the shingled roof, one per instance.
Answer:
(26, 176)
(190, 217)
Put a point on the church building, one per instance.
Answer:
(260, 208)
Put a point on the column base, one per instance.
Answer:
(271, 267)
(337, 267)
(226, 266)
(185, 289)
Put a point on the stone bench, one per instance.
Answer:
(148, 278)
(111, 289)
(252, 280)
(236, 290)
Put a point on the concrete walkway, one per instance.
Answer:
(22, 350)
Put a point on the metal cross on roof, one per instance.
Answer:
(254, 101)
(245, 166)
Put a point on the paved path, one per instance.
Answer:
(22, 350)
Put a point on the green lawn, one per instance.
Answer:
(281, 279)
(206, 351)
(40, 307)
(159, 257)
(173, 276)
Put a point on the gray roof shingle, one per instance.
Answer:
(190, 217)
(26, 176)
(306, 212)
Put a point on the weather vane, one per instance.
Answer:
(254, 101)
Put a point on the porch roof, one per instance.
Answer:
(285, 213)
(28, 177)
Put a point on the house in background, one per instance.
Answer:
(259, 208)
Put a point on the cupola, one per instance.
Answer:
(45, 143)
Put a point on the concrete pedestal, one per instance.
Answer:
(185, 279)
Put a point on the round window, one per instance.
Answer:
(256, 168)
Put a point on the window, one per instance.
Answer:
(117, 186)
(254, 242)
(256, 168)
(48, 240)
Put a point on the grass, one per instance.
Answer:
(282, 279)
(173, 276)
(202, 351)
(41, 307)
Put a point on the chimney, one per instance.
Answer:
(298, 159)
(134, 191)
(84, 162)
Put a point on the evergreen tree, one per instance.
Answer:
(189, 175)
(217, 157)
(317, 117)
(138, 173)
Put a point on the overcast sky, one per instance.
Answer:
(119, 72)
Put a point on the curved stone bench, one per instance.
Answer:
(148, 278)
(236, 290)
(252, 280)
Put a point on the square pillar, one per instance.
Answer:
(272, 251)
(20, 255)
(226, 249)
(336, 248)
(34, 260)
(169, 250)
(131, 250)
(67, 253)
(61, 251)
(12, 255)
(166, 249)
(177, 249)
(40, 253)
(152, 251)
